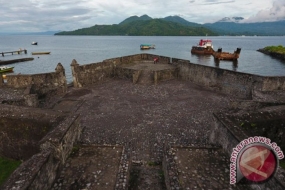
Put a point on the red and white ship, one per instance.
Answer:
(203, 47)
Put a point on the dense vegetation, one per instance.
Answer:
(6, 168)
(153, 27)
(282, 164)
(177, 26)
(275, 49)
(181, 21)
(135, 18)
(260, 29)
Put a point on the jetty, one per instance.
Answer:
(4, 62)
(14, 52)
(274, 54)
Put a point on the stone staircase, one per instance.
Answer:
(146, 77)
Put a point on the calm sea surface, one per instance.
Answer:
(92, 49)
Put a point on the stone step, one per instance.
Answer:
(146, 77)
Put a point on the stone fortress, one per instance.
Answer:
(127, 123)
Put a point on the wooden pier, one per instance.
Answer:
(14, 52)
(5, 62)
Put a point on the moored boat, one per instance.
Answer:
(40, 53)
(4, 69)
(147, 46)
(34, 43)
(203, 47)
(220, 55)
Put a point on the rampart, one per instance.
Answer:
(40, 84)
(229, 130)
(241, 85)
(55, 144)
(93, 73)
(37, 86)
(39, 171)
(21, 130)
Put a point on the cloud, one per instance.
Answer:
(213, 2)
(42, 15)
(275, 13)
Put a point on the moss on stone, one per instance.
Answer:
(275, 49)
(282, 164)
(7, 166)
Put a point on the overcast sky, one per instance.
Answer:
(65, 15)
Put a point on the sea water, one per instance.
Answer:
(92, 49)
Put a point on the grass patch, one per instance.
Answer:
(162, 178)
(282, 164)
(134, 178)
(275, 49)
(7, 166)
(74, 151)
(154, 163)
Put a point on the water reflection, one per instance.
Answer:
(217, 63)
(201, 59)
(234, 63)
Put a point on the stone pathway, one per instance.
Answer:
(145, 119)
(149, 65)
(90, 167)
(12, 96)
(203, 168)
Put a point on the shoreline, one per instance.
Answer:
(15, 60)
(273, 54)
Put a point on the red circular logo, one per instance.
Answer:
(257, 163)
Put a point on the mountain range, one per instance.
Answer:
(231, 19)
(32, 33)
(177, 26)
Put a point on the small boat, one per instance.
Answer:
(4, 69)
(34, 43)
(147, 46)
(203, 47)
(220, 55)
(41, 53)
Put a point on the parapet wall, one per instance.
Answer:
(241, 85)
(40, 171)
(95, 72)
(228, 131)
(21, 130)
(40, 83)
(234, 83)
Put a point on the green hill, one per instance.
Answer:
(182, 21)
(135, 18)
(142, 26)
(276, 28)
(177, 26)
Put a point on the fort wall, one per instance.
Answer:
(57, 145)
(228, 132)
(41, 169)
(40, 83)
(95, 72)
(241, 85)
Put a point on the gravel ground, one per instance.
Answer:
(145, 118)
